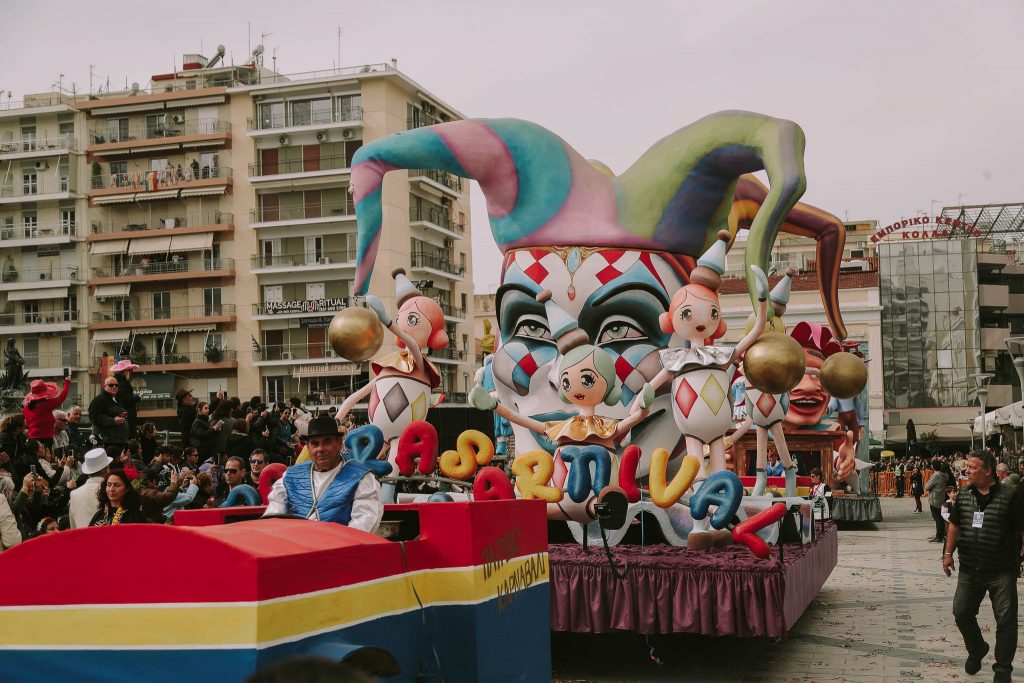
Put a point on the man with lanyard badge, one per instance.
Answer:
(986, 526)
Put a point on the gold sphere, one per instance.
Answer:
(776, 324)
(844, 375)
(355, 333)
(775, 363)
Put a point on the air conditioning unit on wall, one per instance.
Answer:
(348, 134)
(42, 165)
(321, 136)
(283, 140)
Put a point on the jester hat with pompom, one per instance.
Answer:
(675, 198)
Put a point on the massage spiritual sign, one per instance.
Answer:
(926, 227)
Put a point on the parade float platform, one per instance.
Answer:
(224, 594)
(863, 508)
(666, 589)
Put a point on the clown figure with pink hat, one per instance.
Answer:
(401, 391)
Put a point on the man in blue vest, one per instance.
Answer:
(327, 488)
(986, 526)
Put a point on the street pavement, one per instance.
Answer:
(883, 615)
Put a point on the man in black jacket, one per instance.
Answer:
(109, 418)
(126, 392)
(986, 526)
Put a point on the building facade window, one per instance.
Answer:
(211, 301)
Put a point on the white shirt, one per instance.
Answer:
(367, 509)
(10, 536)
(84, 503)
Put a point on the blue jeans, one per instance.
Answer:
(1002, 590)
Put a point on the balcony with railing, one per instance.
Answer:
(173, 129)
(60, 359)
(30, 322)
(318, 213)
(166, 270)
(448, 182)
(196, 360)
(113, 316)
(277, 122)
(160, 184)
(437, 218)
(319, 260)
(12, 277)
(32, 146)
(450, 355)
(437, 264)
(36, 187)
(313, 166)
(117, 224)
(312, 351)
(62, 232)
(50, 99)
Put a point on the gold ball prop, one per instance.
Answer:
(775, 363)
(776, 324)
(355, 333)
(844, 375)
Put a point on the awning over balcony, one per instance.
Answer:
(118, 290)
(197, 242)
(192, 328)
(153, 331)
(129, 197)
(128, 108)
(114, 199)
(111, 335)
(159, 194)
(150, 245)
(108, 247)
(203, 191)
(32, 294)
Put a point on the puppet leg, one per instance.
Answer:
(762, 462)
(787, 460)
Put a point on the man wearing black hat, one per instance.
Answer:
(328, 488)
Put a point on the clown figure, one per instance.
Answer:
(767, 412)
(400, 392)
(586, 380)
(701, 374)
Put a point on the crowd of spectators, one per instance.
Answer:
(57, 473)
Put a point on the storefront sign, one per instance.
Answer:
(153, 387)
(304, 306)
(925, 227)
(326, 370)
(324, 321)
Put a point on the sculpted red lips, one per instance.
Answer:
(805, 405)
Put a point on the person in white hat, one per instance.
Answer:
(84, 501)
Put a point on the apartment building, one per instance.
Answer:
(209, 217)
(43, 266)
(301, 133)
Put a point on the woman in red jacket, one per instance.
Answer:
(40, 402)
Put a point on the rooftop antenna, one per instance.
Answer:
(92, 72)
(338, 64)
(273, 56)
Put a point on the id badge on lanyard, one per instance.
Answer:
(979, 518)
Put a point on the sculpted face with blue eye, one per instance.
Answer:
(616, 297)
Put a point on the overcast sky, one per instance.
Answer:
(906, 105)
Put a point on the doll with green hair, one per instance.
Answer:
(586, 380)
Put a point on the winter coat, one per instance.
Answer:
(38, 414)
(203, 437)
(102, 412)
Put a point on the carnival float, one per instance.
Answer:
(628, 504)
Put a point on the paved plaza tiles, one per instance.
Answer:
(884, 615)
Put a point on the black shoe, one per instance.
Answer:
(936, 540)
(973, 663)
(1002, 677)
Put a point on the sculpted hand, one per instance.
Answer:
(481, 399)
(645, 398)
(762, 283)
(845, 462)
(377, 306)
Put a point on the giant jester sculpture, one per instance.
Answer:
(611, 249)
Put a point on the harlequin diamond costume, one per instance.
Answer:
(700, 389)
(400, 396)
